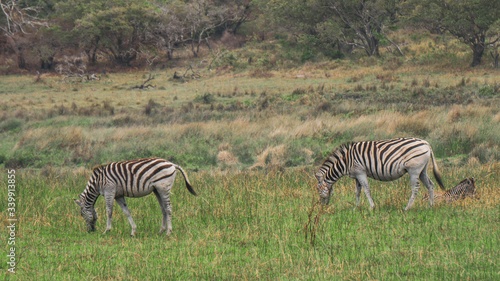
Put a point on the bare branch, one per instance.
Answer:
(17, 18)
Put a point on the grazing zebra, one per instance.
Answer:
(465, 188)
(383, 160)
(133, 178)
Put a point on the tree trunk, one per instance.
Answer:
(477, 54)
(170, 50)
(47, 63)
(195, 53)
(495, 55)
(21, 62)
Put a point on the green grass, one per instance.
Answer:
(251, 225)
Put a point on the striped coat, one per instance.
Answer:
(466, 188)
(133, 178)
(383, 160)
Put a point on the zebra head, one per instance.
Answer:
(466, 188)
(88, 213)
(324, 189)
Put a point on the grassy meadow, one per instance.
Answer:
(250, 141)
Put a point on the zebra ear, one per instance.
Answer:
(78, 202)
(319, 177)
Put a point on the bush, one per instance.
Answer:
(486, 153)
(20, 159)
(11, 125)
(206, 98)
(487, 90)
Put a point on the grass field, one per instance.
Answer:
(250, 142)
(253, 225)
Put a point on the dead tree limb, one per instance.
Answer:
(145, 85)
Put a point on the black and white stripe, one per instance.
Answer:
(133, 178)
(383, 160)
(466, 188)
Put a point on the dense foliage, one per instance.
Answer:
(119, 31)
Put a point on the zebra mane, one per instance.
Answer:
(99, 167)
(342, 147)
(337, 151)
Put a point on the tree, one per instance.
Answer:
(468, 20)
(202, 18)
(69, 16)
(116, 28)
(171, 28)
(355, 23)
(493, 42)
(360, 23)
(195, 21)
(19, 23)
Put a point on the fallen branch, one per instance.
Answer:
(145, 85)
(193, 75)
(81, 77)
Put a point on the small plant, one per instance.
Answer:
(426, 83)
(414, 82)
(148, 109)
(312, 225)
(11, 125)
(487, 90)
(358, 88)
(206, 98)
(295, 95)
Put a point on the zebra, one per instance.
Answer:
(466, 188)
(132, 178)
(383, 160)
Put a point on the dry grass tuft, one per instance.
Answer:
(225, 157)
(454, 114)
(271, 157)
(496, 118)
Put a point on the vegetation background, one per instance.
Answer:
(249, 97)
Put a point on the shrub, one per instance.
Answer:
(486, 153)
(11, 125)
(487, 90)
(206, 98)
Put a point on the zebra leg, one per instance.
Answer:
(358, 193)
(363, 181)
(126, 211)
(428, 183)
(415, 186)
(109, 198)
(163, 210)
(168, 208)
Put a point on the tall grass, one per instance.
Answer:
(279, 139)
(250, 225)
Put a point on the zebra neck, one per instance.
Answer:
(332, 178)
(336, 167)
(89, 198)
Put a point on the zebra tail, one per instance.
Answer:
(436, 172)
(188, 185)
